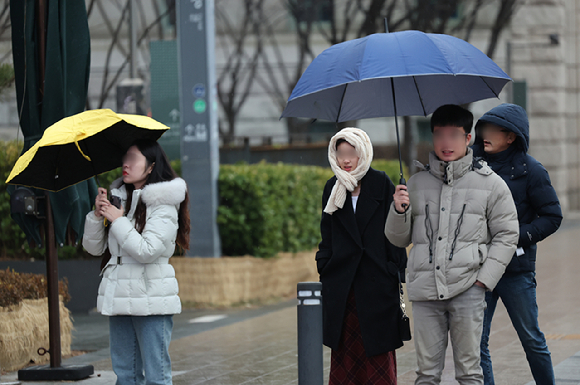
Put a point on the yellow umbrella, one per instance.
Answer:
(81, 146)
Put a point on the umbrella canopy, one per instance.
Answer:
(81, 146)
(51, 68)
(385, 74)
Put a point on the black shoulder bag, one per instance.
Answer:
(404, 322)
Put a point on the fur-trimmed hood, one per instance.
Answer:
(163, 193)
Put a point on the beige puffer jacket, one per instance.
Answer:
(463, 224)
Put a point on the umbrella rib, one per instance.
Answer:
(341, 100)
(420, 98)
(496, 95)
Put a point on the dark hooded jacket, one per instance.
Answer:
(539, 211)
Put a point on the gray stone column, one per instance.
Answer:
(571, 46)
(543, 66)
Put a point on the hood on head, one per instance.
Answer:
(510, 117)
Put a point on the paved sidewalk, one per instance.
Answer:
(260, 348)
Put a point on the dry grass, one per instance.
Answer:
(24, 329)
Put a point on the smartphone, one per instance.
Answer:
(116, 201)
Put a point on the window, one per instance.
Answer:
(305, 11)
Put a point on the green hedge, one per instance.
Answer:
(266, 208)
(391, 167)
(263, 208)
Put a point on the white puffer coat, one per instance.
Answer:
(138, 279)
(463, 224)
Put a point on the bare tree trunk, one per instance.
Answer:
(236, 79)
(503, 17)
(297, 129)
(303, 14)
(108, 83)
(372, 14)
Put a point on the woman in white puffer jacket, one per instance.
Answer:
(139, 290)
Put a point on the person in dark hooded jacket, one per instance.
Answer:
(503, 141)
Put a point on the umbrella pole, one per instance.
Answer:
(51, 256)
(402, 179)
(52, 284)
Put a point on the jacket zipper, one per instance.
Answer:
(457, 229)
(429, 231)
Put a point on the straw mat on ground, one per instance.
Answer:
(24, 329)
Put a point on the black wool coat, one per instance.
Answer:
(355, 254)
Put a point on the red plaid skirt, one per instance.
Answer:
(350, 365)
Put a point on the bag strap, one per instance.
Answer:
(401, 295)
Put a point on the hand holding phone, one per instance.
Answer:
(116, 201)
(111, 213)
(101, 201)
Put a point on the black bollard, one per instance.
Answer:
(310, 333)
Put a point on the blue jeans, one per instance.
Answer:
(140, 349)
(518, 294)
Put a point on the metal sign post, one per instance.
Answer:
(199, 131)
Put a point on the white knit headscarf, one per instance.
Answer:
(348, 180)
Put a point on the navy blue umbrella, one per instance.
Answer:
(389, 74)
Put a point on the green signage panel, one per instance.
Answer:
(520, 90)
(165, 93)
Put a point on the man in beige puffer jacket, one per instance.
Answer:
(462, 222)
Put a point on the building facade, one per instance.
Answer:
(539, 48)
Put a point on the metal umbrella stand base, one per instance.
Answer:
(61, 373)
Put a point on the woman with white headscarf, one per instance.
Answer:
(358, 266)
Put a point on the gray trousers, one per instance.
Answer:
(462, 318)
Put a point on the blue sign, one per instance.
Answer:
(199, 90)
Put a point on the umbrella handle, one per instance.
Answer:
(403, 182)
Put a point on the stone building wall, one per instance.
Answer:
(551, 72)
(572, 114)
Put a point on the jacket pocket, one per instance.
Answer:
(480, 255)
(321, 264)
(419, 260)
